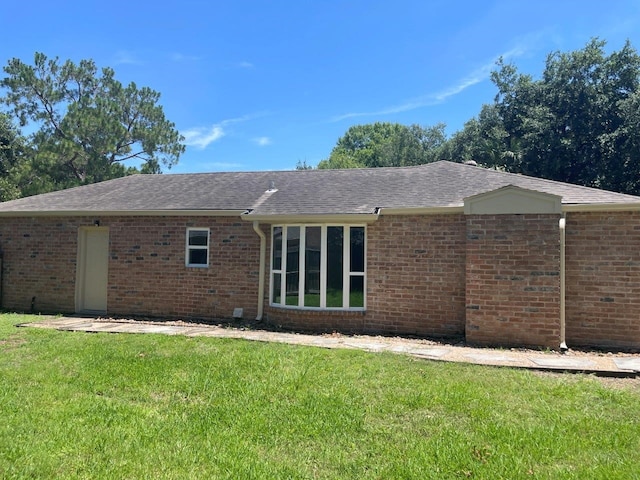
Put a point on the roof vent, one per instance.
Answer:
(272, 187)
(473, 163)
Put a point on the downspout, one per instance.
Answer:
(563, 225)
(263, 251)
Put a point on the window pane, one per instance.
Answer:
(312, 267)
(335, 240)
(277, 282)
(277, 249)
(293, 256)
(197, 256)
(356, 291)
(357, 249)
(198, 238)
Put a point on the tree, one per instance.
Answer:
(12, 153)
(579, 122)
(386, 145)
(303, 165)
(87, 123)
(482, 139)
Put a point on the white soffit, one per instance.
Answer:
(512, 200)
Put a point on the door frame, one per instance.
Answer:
(81, 276)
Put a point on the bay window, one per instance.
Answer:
(318, 266)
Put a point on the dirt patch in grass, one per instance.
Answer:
(628, 384)
(11, 343)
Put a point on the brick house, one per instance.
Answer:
(443, 249)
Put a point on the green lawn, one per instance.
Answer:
(76, 405)
(334, 299)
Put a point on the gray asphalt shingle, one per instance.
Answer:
(439, 184)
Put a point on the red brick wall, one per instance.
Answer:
(415, 281)
(39, 261)
(513, 283)
(415, 275)
(147, 272)
(316, 320)
(148, 276)
(603, 279)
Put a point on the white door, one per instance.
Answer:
(93, 268)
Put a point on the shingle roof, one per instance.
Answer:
(439, 184)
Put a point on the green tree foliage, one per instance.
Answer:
(482, 139)
(386, 145)
(87, 124)
(578, 123)
(12, 155)
(303, 165)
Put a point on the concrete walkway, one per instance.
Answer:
(599, 363)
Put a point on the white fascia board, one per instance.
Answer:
(346, 218)
(601, 207)
(421, 210)
(123, 213)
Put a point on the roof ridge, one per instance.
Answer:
(550, 181)
(295, 171)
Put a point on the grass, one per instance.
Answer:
(334, 299)
(76, 405)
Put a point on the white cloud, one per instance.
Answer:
(123, 57)
(405, 107)
(180, 57)
(244, 64)
(202, 137)
(262, 141)
(475, 77)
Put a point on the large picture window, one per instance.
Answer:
(197, 254)
(318, 266)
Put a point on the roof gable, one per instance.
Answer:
(512, 199)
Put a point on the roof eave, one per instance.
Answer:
(311, 218)
(421, 210)
(123, 213)
(600, 207)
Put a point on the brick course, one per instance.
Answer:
(415, 281)
(603, 279)
(39, 261)
(147, 272)
(494, 278)
(148, 276)
(415, 275)
(513, 280)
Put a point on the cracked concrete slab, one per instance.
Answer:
(628, 364)
(490, 357)
(371, 346)
(421, 352)
(551, 362)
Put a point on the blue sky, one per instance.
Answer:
(261, 85)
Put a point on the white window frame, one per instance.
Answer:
(346, 271)
(189, 248)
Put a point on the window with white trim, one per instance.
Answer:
(197, 254)
(318, 266)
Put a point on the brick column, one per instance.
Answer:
(513, 279)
